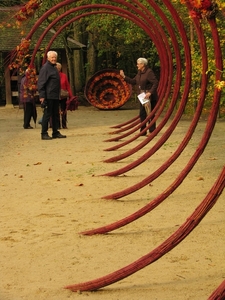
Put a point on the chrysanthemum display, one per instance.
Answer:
(22, 57)
(27, 10)
(106, 89)
(202, 8)
(22, 64)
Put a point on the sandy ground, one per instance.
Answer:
(50, 192)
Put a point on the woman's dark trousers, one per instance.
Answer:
(143, 115)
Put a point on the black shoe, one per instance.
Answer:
(28, 127)
(58, 136)
(46, 137)
(152, 128)
(144, 133)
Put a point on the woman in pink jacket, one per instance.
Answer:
(65, 86)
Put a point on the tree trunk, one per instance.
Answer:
(91, 56)
(69, 58)
(78, 58)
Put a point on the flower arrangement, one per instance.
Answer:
(202, 8)
(107, 90)
(22, 64)
(27, 10)
(22, 14)
(22, 57)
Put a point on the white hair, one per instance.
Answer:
(49, 53)
(142, 60)
(59, 66)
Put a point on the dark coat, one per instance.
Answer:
(145, 80)
(49, 82)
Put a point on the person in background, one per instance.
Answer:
(27, 99)
(65, 86)
(49, 94)
(147, 82)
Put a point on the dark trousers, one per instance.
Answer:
(28, 109)
(143, 114)
(50, 111)
(63, 114)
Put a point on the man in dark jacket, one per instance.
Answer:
(49, 94)
(146, 82)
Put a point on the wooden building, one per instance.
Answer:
(10, 38)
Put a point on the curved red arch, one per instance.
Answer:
(218, 187)
(192, 221)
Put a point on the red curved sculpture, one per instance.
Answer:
(107, 90)
(219, 293)
(134, 10)
(192, 221)
(207, 134)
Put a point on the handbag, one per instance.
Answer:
(72, 103)
(64, 93)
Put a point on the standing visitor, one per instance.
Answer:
(146, 82)
(27, 99)
(49, 94)
(64, 95)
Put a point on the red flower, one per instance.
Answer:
(206, 4)
(202, 8)
(195, 14)
(22, 56)
(28, 10)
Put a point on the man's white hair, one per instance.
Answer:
(142, 60)
(49, 53)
